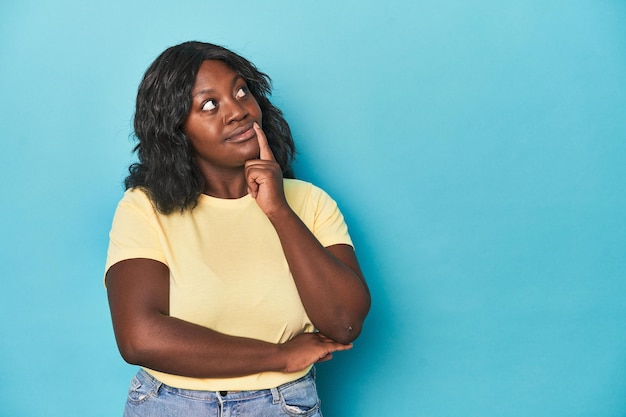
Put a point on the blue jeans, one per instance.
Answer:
(147, 397)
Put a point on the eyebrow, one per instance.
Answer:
(236, 78)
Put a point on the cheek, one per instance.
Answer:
(198, 133)
(255, 110)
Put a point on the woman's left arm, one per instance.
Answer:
(329, 279)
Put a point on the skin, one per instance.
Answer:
(329, 280)
(219, 127)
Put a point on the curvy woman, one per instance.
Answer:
(227, 279)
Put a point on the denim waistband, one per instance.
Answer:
(145, 378)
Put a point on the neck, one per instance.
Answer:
(226, 184)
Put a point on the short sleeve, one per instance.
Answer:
(329, 226)
(133, 233)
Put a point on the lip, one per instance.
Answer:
(241, 134)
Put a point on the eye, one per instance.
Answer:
(241, 92)
(209, 105)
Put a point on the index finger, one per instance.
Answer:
(265, 153)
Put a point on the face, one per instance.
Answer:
(219, 124)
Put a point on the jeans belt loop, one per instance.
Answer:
(275, 395)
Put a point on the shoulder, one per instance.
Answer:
(318, 211)
(136, 197)
(296, 186)
(302, 194)
(136, 200)
(301, 188)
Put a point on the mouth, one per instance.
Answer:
(241, 134)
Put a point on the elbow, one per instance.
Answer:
(137, 339)
(348, 325)
(344, 330)
(348, 333)
(135, 350)
(132, 353)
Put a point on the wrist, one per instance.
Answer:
(280, 214)
(281, 358)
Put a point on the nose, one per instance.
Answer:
(234, 111)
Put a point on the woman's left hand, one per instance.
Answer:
(265, 179)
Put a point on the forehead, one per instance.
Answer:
(213, 74)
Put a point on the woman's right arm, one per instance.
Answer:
(138, 291)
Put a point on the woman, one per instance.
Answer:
(227, 280)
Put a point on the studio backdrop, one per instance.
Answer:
(476, 147)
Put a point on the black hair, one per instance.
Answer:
(167, 170)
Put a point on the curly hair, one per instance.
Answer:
(166, 169)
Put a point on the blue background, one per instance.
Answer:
(476, 147)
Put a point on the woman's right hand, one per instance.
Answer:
(308, 348)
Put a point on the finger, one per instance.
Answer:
(253, 190)
(325, 358)
(264, 148)
(255, 171)
(340, 347)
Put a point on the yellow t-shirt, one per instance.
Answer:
(227, 268)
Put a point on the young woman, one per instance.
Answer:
(227, 279)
